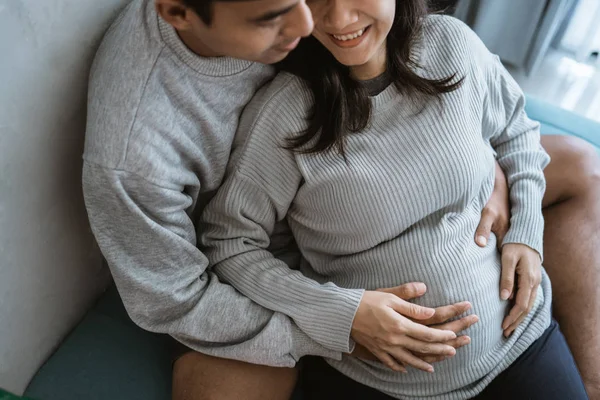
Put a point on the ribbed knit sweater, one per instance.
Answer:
(403, 208)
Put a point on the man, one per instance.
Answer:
(167, 88)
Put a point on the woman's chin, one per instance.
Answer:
(351, 62)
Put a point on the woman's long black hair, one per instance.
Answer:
(341, 105)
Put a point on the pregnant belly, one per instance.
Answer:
(444, 256)
(452, 266)
(452, 274)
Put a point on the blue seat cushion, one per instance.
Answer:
(106, 357)
(556, 120)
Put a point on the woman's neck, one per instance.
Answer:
(373, 68)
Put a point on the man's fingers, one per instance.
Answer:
(361, 352)
(411, 310)
(407, 291)
(445, 313)
(500, 229)
(482, 234)
(390, 362)
(439, 349)
(459, 325)
(459, 342)
(507, 281)
(432, 359)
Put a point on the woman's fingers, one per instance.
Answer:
(389, 361)
(408, 291)
(509, 267)
(446, 313)
(440, 349)
(524, 291)
(426, 334)
(407, 358)
(411, 310)
(509, 331)
(528, 275)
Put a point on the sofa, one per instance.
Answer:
(64, 333)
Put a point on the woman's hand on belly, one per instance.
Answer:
(443, 319)
(385, 325)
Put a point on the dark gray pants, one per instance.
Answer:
(546, 371)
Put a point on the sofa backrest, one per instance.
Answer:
(50, 267)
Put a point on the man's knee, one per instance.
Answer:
(584, 162)
(200, 377)
(575, 166)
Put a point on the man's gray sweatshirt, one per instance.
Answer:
(161, 122)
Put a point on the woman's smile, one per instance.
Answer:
(351, 39)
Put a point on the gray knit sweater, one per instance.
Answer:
(403, 208)
(161, 122)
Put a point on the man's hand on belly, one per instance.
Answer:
(495, 216)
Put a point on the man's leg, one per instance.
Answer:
(200, 377)
(572, 250)
(545, 371)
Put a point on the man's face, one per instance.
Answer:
(255, 30)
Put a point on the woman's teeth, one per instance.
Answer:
(351, 36)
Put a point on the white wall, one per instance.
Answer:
(50, 268)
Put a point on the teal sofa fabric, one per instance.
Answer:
(106, 357)
(556, 120)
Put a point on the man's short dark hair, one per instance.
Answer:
(202, 7)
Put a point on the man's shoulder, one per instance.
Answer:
(129, 48)
(145, 101)
(120, 71)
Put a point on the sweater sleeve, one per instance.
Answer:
(516, 140)
(239, 221)
(149, 242)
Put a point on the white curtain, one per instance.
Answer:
(583, 32)
(519, 31)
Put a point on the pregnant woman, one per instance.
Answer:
(379, 149)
